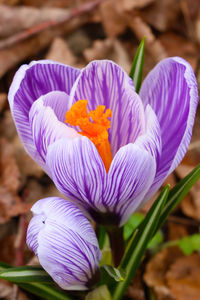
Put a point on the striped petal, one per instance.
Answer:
(30, 82)
(130, 175)
(67, 247)
(151, 140)
(45, 123)
(105, 83)
(171, 90)
(78, 172)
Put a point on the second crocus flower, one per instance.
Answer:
(65, 243)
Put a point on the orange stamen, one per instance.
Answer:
(94, 125)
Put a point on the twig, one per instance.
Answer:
(85, 8)
(184, 221)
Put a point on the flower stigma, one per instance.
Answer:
(94, 125)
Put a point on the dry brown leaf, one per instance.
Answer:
(136, 290)
(25, 163)
(162, 14)
(109, 49)
(36, 191)
(7, 126)
(183, 278)
(177, 45)
(7, 291)
(3, 101)
(141, 29)
(60, 52)
(156, 269)
(10, 57)
(190, 205)
(10, 2)
(114, 23)
(132, 4)
(16, 19)
(171, 180)
(10, 203)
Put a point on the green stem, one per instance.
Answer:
(115, 235)
(169, 244)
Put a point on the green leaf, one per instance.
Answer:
(4, 266)
(189, 244)
(137, 66)
(102, 236)
(100, 293)
(135, 252)
(44, 291)
(25, 274)
(156, 240)
(178, 193)
(132, 224)
(116, 273)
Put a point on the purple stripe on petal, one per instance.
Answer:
(131, 173)
(78, 171)
(105, 83)
(45, 125)
(30, 82)
(171, 90)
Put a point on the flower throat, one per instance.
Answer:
(94, 125)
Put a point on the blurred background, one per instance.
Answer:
(74, 32)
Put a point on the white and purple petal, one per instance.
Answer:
(105, 83)
(171, 90)
(65, 243)
(30, 82)
(46, 124)
(78, 172)
(130, 175)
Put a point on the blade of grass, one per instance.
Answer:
(135, 252)
(26, 274)
(178, 193)
(137, 66)
(44, 291)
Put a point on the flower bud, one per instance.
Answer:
(65, 243)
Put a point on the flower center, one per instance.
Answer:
(94, 125)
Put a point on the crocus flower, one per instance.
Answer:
(106, 148)
(65, 243)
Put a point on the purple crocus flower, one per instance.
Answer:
(65, 243)
(106, 148)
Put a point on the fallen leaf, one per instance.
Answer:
(7, 126)
(111, 49)
(183, 278)
(3, 101)
(156, 269)
(162, 14)
(26, 165)
(10, 202)
(132, 4)
(140, 28)
(60, 52)
(190, 205)
(177, 45)
(114, 23)
(19, 18)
